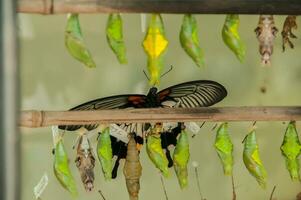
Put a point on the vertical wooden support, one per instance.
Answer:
(9, 137)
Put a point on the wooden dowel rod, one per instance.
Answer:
(49, 118)
(292, 7)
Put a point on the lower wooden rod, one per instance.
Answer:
(35, 118)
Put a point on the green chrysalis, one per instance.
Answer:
(61, 168)
(104, 152)
(231, 36)
(190, 41)
(156, 154)
(290, 149)
(224, 148)
(115, 37)
(252, 159)
(75, 43)
(180, 158)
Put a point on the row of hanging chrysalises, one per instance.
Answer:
(155, 42)
(159, 139)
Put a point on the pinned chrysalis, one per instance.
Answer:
(289, 24)
(266, 33)
(231, 36)
(61, 168)
(180, 158)
(85, 162)
(75, 43)
(291, 149)
(132, 169)
(224, 148)
(115, 37)
(154, 44)
(154, 150)
(104, 152)
(190, 41)
(252, 159)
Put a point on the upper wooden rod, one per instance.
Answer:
(49, 118)
(284, 7)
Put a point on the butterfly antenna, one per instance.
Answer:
(170, 69)
(146, 75)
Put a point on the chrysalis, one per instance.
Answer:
(252, 159)
(231, 36)
(224, 148)
(104, 152)
(115, 37)
(180, 158)
(132, 169)
(119, 150)
(290, 149)
(154, 45)
(289, 24)
(266, 33)
(75, 43)
(85, 162)
(154, 150)
(61, 168)
(190, 41)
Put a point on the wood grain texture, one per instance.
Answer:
(49, 118)
(292, 7)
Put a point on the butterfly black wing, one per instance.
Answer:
(112, 102)
(201, 93)
(168, 138)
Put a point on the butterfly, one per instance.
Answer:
(193, 94)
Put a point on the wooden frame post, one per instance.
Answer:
(9, 137)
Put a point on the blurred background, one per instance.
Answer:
(52, 80)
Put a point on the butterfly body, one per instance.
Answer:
(152, 99)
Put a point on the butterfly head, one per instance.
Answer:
(153, 91)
